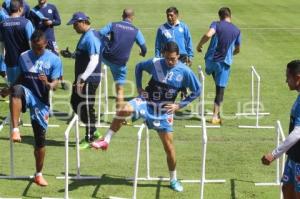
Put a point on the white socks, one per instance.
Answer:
(38, 174)
(173, 175)
(108, 135)
(16, 130)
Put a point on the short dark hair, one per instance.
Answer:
(171, 47)
(224, 12)
(294, 67)
(15, 5)
(172, 9)
(37, 35)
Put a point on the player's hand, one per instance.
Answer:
(66, 53)
(144, 94)
(79, 87)
(171, 108)
(267, 159)
(189, 61)
(199, 49)
(44, 79)
(47, 22)
(142, 54)
(4, 92)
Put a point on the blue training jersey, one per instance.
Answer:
(178, 33)
(48, 12)
(26, 8)
(15, 32)
(3, 14)
(177, 77)
(294, 151)
(223, 42)
(89, 44)
(121, 35)
(31, 65)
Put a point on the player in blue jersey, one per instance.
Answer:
(291, 145)
(87, 75)
(15, 32)
(40, 70)
(225, 42)
(156, 103)
(3, 15)
(26, 8)
(121, 37)
(177, 31)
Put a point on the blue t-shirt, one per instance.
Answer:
(223, 42)
(177, 77)
(122, 36)
(15, 32)
(31, 66)
(294, 151)
(3, 14)
(47, 12)
(26, 8)
(178, 33)
(89, 44)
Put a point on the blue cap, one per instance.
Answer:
(78, 16)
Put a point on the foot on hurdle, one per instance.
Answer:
(85, 144)
(15, 135)
(40, 180)
(100, 144)
(176, 185)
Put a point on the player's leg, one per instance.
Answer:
(288, 180)
(288, 191)
(120, 96)
(39, 152)
(133, 108)
(17, 104)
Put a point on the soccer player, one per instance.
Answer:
(45, 16)
(177, 31)
(3, 15)
(225, 42)
(26, 10)
(121, 36)
(40, 72)
(156, 103)
(15, 32)
(87, 75)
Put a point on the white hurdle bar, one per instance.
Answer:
(253, 102)
(257, 113)
(201, 111)
(74, 122)
(279, 138)
(51, 110)
(12, 166)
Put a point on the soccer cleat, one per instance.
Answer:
(97, 135)
(215, 121)
(100, 144)
(84, 144)
(15, 136)
(176, 185)
(40, 180)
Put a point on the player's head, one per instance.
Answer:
(38, 42)
(172, 15)
(81, 22)
(293, 75)
(171, 53)
(42, 2)
(16, 6)
(128, 13)
(224, 13)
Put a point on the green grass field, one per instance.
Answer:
(270, 39)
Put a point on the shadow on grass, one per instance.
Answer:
(233, 186)
(109, 180)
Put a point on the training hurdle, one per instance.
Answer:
(279, 165)
(12, 166)
(255, 111)
(202, 181)
(201, 109)
(74, 123)
(4, 122)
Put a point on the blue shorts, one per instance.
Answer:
(2, 64)
(161, 122)
(291, 174)
(12, 74)
(38, 110)
(118, 72)
(219, 70)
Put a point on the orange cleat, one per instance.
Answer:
(40, 180)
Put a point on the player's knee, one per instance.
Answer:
(17, 91)
(219, 95)
(39, 135)
(125, 110)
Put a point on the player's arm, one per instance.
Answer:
(205, 38)
(29, 29)
(140, 67)
(56, 21)
(158, 43)
(290, 141)
(55, 74)
(189, 43)
(106, 30)
(140, 40)
(237, 45)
